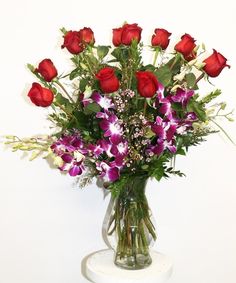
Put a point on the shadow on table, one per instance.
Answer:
(84, 264)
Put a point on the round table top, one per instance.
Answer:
(99, 268)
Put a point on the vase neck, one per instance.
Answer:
(135, 189)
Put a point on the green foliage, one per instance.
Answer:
(198, 108)
(70, 115)
(102, 51)
(193, 138)
(92, 108)
(164, 75)
(82, 84)
(176, 63)
(117, 187)
(75, 73)
(211, 96)
(190, 80)
(157, 167)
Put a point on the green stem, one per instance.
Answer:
(63, 109)
(65, 91)
(199, 78)
(155, 56)
(145, 107)
(174, 62)
(226, 134)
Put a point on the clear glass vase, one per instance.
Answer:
(129, 226)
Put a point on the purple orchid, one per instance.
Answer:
(186, 123)
(163, 103)
(112, 128)
(182, 96)
(108, 172)
(165, 134)
(72, 152)
(105, 102)
(101, 147)
(120, 149)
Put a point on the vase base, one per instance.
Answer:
(99, 268)
(137, 262)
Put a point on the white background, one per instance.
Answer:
(47, 225)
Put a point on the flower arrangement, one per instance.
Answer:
(123, 117)
(116, 117)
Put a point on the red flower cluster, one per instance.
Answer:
(126, 34)
(147, 83)
(75, 41)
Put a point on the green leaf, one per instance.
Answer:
(164, 75)
(92, 108)
(61, 99)
(158, 173)
(145, 166)
(181, 151)
(82, 84)
(102, 51)
(191, 80)
(82, 119)
(121, 54)
(116, 53)
(208, 98)
(75, 73)
(175, 63)
(63, 30)
(198, 108)
(31, 68)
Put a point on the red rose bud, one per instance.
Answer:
(215, 64)
(126, 34)
(147, 83)
(73, 42)
(108, 80)
(186, 47)
(161, 38)
(130, 33)
(87, 35)
(40, 96)
(47, 70)
(117, 33)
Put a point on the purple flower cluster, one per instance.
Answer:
(72, 152)
(167, 127)
(113, 145)
(112, 152)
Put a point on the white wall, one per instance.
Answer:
(47, 226)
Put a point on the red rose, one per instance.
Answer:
(161, 38)
(215, 64)
(147, 83)
(117, 33)
(73, 42)
(47, 70)
(108, 80)
(87, 35)
(186, 46)
(131, 32)
(40, 96)
(126, 34)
